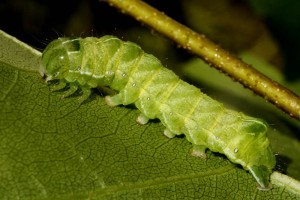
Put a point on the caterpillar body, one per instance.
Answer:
(157, 92)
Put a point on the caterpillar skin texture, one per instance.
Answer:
(157, 92)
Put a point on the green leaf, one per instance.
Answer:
(53, 148)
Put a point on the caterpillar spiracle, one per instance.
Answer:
(140, 79)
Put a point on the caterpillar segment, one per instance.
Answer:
(157, 92)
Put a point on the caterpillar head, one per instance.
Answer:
(56, 57)
(258, 155)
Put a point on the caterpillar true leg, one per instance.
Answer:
(61, 85)
(73, 88)
(86, 92)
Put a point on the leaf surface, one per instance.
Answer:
(53, 148)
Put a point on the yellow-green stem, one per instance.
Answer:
(212, 54)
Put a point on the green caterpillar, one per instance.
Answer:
(157, 92)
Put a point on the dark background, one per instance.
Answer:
(37, 22)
